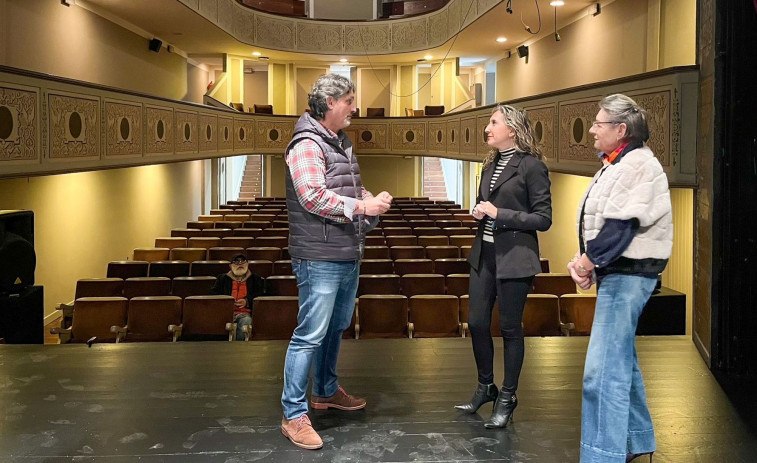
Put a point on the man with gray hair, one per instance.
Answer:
(329, 214)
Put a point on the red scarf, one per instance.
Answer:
(612, 156)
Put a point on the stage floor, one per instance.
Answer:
(220, 402)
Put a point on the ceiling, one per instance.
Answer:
(181, 27)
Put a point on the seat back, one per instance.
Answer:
(192, 286)
(554, 283)
(435, 316)
(541, 316)
(243, 242)
(127, 268)
(261, 268)
(171, 242)
(281, 285)
(579, 310)
(270, 253)
(186, 232)
(217, 232)
(147, 286)
(224, 253)
(205, 317)
(376, 252)
(407, 252)
(458, 284)
(376, 266)
(433, 240)
(205, 242)
(453, 265)
(169, 268)
(262, 108)
(99, 287)
(401, 240)
(93, 317)
(374, 112)
(414, 284)
(382, 316)
(189, 254)
(212, 268)
(462, 240)
(379, 284)
(432, 110)
(405, 266)
(442, 252)
(274, 317)
(149, 318)
(282, 267)
(150, 254)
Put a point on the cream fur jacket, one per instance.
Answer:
(635, 187)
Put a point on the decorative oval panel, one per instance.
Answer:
(543, 121)
(468, 141)
(483, 147)
(575, 143)
(264, 131)
(73, 126)
(371, 137)
(437, 137)
(159, 134)
(19, 124)
(123, 125)
(225, 139)
(186, 132)
(408, 137)
(453, 137)
(244, 134)
(209, 130)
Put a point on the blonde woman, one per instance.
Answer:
(514, 202)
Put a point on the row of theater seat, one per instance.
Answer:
(168, 318)
(257, 241)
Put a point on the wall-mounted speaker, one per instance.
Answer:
(522, 51)
(155, 45)
(17, 257)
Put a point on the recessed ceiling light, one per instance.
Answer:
(256, 53)
(501, 39)
(427, 57)
(263, 58)
(343, 60)
(557, 3)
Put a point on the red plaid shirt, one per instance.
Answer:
(307, 165)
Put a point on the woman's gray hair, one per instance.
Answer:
(518, 121)
(327, 85)
(623, 109)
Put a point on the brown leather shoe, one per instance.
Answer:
(340, 400)
(301, 433)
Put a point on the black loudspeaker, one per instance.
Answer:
(22, 316)
(17, 257)
(155, 45)
(522, 51)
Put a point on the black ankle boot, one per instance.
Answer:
(633, 456)
(503, 410)
(484, 393)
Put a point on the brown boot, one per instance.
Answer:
(301, 433)
(340, 400)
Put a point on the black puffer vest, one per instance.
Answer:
(314, 237)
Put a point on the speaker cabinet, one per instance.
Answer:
(22, 316)
(522, 51)
(155, 45)
(17, 257)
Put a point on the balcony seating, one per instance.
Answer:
(433, 110)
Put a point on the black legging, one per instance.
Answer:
(511, 294)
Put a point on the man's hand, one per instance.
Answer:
(377, 205)
(584, 282)
(239, 303)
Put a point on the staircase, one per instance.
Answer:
(252, 180)
(433, 179)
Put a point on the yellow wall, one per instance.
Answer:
(373, 87)
(594, 48)
(679, 274)
(305, 78)
(82, 221)
(256, 91)
(278, 85)
(197, 83)
(678, 19)
(73, 42)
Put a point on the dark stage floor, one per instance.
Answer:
(219, 402)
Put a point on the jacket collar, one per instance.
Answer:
(510, 169)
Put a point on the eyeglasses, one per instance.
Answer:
(596, 123)
(239, 262)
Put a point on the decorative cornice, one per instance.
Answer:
(52, 125)
(300, 35)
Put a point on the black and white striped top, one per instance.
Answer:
(504, 158)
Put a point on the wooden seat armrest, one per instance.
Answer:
(357, 330)
(410, 328)
(464, 328)
(566, 328)
(64, 334)
(176, 330)
(247, 330)
(67, 313)
(120, 332)
(232, 329)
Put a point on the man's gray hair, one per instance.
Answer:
(327, 85)
(623, 109)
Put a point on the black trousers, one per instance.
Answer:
(511, 294)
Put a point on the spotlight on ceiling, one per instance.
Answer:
(501, 39)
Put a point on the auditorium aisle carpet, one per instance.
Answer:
(219, 402)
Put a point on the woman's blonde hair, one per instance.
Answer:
(524, 135)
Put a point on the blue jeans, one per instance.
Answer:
(242, 320)
(327, 300)
(615, 419)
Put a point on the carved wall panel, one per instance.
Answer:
(437, 27)
(159, 130)
(225, 133)
(437, 137)
(408, 137)
(19, 124)
(207, 8)
(575, 142)
(74, 126)
(274, 33)
(244, 134)
(482, 146)
(208, 132)
(409, 35)
(468, 140)
(454, 18)
(226, 11)
(273, 135)
(370, 137)
(367, 39)
(123, 129)
(187, 134)
(320, 38)
(453, 137)
(244, 28)
(657, 106)
(543, 121)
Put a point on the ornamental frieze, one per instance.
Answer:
(575, 119)
(437, 137)
(543, 122)
(159, 133)
(19, 124)
(73, 125)
(123, 129)
(208, 133)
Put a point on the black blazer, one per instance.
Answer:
(524, 205)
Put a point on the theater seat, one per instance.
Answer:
(211, 268)
(401, 240)
(442, 252)
(192, 286)
(93, 317)
(374, 112)
(452, 265)
(99, 287)
(407, 252)
(260, 267)
(149, 319)
(274, 317)
(207, 318)
(205, 242)
(272, 241)
(186, 232)
(465, 309)
(243, 242)
(405, 266)
(282, 267)
(414, 284)
(433, 240)
(554, 283)
(577, 313)
(270, 253)
(382, 316)
(458, 284)
(171, 242)
(169, 268)
(376, 252)
(262, 108)
(224, 253)
(147, 286)
(462, 240)
(376, 266)
(281, 285)
(151, 254)
(217, 232)
(435, 316)
(541, 316)
(127, 268)
(379, 284)
(188, 254)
